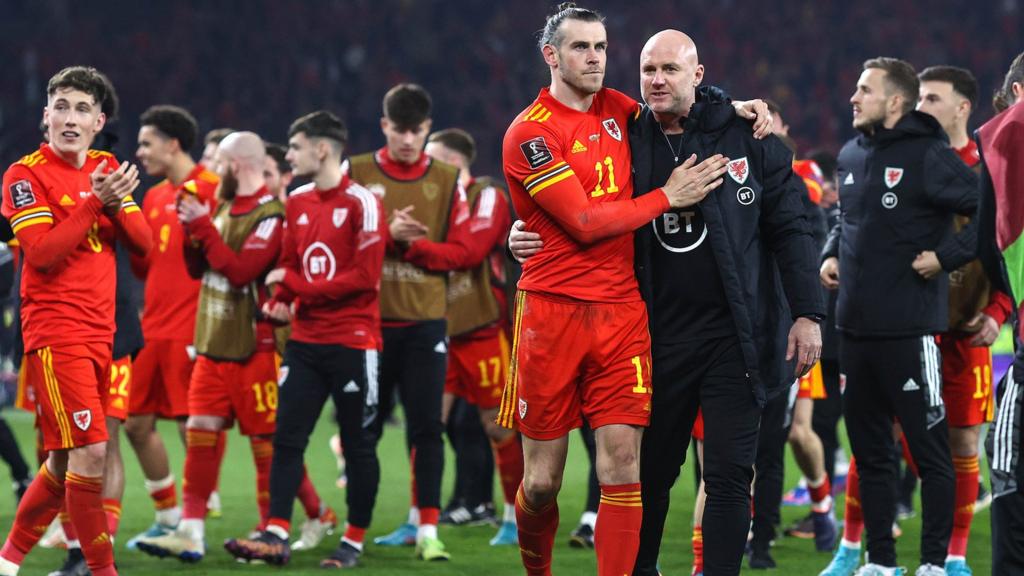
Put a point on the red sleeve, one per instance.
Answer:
(44, 244)
(289, 260)
(468, 244)
(999, 307)
(362, 271)
(132, 229)
(553, 185)
(257, 254)
(195, 259)
(140, 264)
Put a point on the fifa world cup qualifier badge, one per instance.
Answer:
(536, 152)
(21, 194)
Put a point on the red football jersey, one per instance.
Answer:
(71, 302)
(969, 153)
(551, 149)
(333, 253)
(171, 295)
(812, 176)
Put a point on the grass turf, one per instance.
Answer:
(471, 555)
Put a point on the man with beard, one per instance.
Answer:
(901, 184)
(163, 367)
(999, 238)
(328, 287)
(235, 376)
(567, 163)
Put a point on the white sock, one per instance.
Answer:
(278, 531)
(509, 515)
(353, 543)
(194, 528)
(426, 531)
(589, 518)
(169, 516)
(8, 567)
(74, 545)
(414, 516)
(952, 558)
(154, 485)
(852, 545)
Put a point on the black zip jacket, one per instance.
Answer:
(898, 191)
(758, 230)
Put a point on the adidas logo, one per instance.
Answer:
(350, 387)
(910, 385)
(849, 179)
(66, 201)
(303, 220)
(578, 147)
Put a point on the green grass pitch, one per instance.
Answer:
(471, 555)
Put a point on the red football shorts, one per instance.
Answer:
(477, 368)
(70, 387)
(163, 369)
(120, 388)
(572, 359)
(698, 426)
(25, 398)
(812, 385)
(966, 381)
(246, 391)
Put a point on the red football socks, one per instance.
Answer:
(617, 533)
(355, 535)
(39, 506)
(112, 510)
(853, 519)
(166, 496)
(308, 497)
(201, 470)
(698, 549)
(966, 494)
(821, 494)
(537, 527)
(414, 500)
(262, 455)
(429, 516)
(508, 456)
(85, 504)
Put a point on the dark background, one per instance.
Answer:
(258, 64)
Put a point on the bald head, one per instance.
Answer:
(670, 73)
(671, 42)
(244, 148)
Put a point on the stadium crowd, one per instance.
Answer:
(366, 259)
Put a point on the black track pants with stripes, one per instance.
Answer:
(898, 379)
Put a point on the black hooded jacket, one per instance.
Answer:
(758, 230)
(898, 191)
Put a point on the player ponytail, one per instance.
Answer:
(551, 34)
(1004, 97)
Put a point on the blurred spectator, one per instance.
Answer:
(472, 56)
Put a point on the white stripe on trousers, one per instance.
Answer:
(1003, 444)
(371, 363)
(932, 374)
